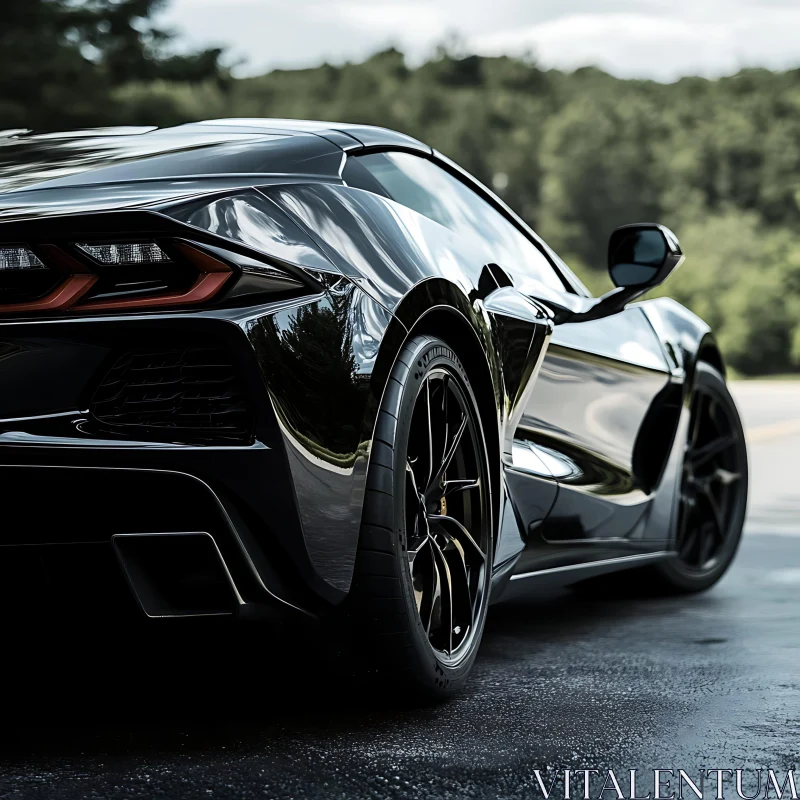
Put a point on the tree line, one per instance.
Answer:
(576, 154)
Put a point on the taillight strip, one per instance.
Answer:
(213, 276)
(64, 296)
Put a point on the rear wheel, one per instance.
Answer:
(424, 563)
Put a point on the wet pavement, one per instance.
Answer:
(562, 681)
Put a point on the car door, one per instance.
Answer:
(586, 418)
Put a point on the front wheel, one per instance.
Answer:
(424, 563)
(713, 489)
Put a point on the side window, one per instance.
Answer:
(425, 187)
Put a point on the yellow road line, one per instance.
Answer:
(775, 430)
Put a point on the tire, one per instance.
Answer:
(712, 406)
(407, 634)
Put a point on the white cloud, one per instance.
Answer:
(407, 25)
(661, 47)
(624, 44)
(661, 39)
(411, 19)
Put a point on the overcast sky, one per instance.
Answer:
(661, 39)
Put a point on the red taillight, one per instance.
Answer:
(111, 276)
(72, 280)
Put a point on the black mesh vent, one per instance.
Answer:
(182, 394)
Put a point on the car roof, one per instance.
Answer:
(64, 172)
(211, 147)
(362, 135)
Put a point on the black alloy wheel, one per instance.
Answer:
(424, 564)
(709, 489)
(444, 493)
(713, 492)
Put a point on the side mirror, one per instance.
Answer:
(642, 255)
(639, 257)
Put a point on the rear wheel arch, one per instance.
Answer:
(439, 308)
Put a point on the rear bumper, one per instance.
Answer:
(283, 508)
(51, 506)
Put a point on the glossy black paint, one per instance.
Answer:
(587, 410)
(569, 409)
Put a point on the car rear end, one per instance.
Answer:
(142, 463)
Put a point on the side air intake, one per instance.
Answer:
(188, 394)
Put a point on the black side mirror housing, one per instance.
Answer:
(642, 255)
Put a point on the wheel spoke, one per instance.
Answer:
(688, 542)
(724, 476)
(464, 599)
(714, 410)
(412, 553)
(436, 480)
(410, 474)
(716, 513)
(445, 593)
(687, 535)
(717, 446)
(423, 579)
(461, 564)
(457, 531)
(696, 419)
(436, 594)
(461, 485)
(706, 547)
(430, 427)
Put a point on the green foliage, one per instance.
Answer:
(744, 280)
(61, 60)
(601, 169)
(575, 154)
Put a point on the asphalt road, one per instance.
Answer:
(561, 682)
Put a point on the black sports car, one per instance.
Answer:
(265, 367)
